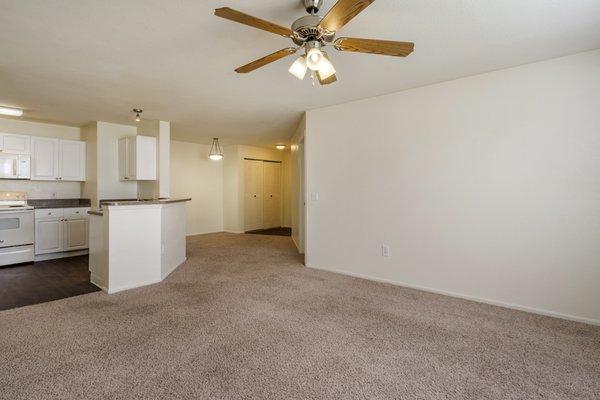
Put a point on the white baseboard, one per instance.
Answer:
(298, 247)
(134, 286)
(512, 306)
(163, 276)
(97, 281)
(62, 254)
(201, 233)
(235, 232)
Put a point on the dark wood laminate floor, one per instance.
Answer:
(43, 281)
(273, 231)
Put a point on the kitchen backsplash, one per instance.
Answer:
(43, 190)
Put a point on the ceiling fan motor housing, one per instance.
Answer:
(312, 6)
(307, 29)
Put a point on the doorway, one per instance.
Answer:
(262, 195)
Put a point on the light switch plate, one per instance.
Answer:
(385, 250)
(314, 196)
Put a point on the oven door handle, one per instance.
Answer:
(14, 212)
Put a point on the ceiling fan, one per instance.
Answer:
(313, 33)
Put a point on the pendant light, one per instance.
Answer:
(137, 112)
(216, 153)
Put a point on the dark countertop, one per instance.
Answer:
(133, 202)
(58, 203)
(141, 202)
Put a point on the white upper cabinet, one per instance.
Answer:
(137, 158)
(72, 160)
(15, 144)
(57, 160)
(44, 159)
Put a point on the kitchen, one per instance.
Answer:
(53, 187)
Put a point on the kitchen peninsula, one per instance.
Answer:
(136, 243)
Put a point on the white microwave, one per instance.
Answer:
(15, 166)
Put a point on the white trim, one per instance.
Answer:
(512, 306)
(201, 233)
(236, 232)
(96, 280)
(134, 286)
(163, 276)
(300, 251)
(62, 254)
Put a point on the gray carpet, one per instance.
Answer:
(242, 319)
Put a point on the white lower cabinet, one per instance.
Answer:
(48, 236)
(75, 234)
(59, 230)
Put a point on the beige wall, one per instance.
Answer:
(194, 175)
(89, 190)
(296, 196)
(22, 127)
(109, 185)
(286, 198)
(41, 189)
(161, 130)
(485, 187)
(232, 214)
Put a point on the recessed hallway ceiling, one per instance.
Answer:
(81, 60)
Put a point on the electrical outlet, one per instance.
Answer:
(314, 196)
(385, 250)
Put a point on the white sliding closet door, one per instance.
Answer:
(271, 195)
(253, 195)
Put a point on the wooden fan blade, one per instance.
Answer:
(385, 47)
(327, 81)
(261, 62)
(342, 12)
(237, 16)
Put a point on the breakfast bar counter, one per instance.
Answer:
(136, 243)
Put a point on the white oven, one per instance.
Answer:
(16, 235)
(16, 229)
(15, 166)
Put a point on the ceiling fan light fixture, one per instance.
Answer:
(299, 68)
(314, 56)
(216, 152)
(326, 69)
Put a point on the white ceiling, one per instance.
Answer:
(74, 61)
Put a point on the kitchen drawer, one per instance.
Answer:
(79, 212)
(48, 213)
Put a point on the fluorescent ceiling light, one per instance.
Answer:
(298, 68)
(280, 146)
(15, 112)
